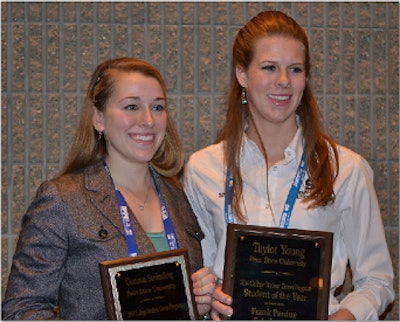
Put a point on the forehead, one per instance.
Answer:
(135, 82)
(279, 47)
(133, 76)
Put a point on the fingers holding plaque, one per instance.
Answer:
(149, 287)
(276, 273)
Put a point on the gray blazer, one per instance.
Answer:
(60, 245)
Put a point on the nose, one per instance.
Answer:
(146, 118)
(283, 79)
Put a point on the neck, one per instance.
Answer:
(274, 138)
(128, 175)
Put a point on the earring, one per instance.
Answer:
(243, 96)
(99, 135)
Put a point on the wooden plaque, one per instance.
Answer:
(149, 287)
(277, 273)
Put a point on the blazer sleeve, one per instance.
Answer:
(37, 269)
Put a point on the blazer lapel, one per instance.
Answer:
(98, 181)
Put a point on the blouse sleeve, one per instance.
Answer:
(195, 188)
(368, 253)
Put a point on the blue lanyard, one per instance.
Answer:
(229, 217)
(126, 220)
(293, 192)
(123, 210)
(168, 227)
(290, 200)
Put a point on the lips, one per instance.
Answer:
(279, 99)
(144, 137)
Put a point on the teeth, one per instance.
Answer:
(144, 137)
(279, 97)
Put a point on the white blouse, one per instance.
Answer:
(354, 218)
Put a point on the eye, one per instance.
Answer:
(159, 107)
(131, 107)
(270, 68)
(297, 69)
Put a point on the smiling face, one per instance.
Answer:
(134, 120)
(274, 80)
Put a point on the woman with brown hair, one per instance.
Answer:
(117, 196)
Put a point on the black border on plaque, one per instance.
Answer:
(110, 270)
(262, 274)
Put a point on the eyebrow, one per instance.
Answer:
(276, 62)
(157, 99)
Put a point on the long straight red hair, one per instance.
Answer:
(321, 151)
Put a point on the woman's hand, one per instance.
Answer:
(220, 304)
(203, 288)
(342, 315)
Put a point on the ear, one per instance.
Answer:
(98, 119)
(241, 76)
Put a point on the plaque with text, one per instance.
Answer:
(277, 273)
(149, 287)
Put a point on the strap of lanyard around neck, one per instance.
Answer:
(126, 220)
(290, 200)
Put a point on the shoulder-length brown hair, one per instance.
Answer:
(88, 149)
(322, 156)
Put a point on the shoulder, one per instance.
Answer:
(353, 167)
(205, 170)
(351, 160)
(49, 207)
(67, 199)
(71, 185)
(66, 183)
(211, 155)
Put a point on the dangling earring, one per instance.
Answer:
(99, 135)
(244, 96)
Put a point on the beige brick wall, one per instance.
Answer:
(50, 49)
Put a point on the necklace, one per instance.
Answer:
(142, 205)
(126, 221)
(268, 207)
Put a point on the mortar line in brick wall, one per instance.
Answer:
(341, 72)
(195, 80)
(213, 83)
(325, 68)
(27, 107)
(44, 92)
(9, 178)
(356, 80)
(78, 59)
(129, 29)
(61, 87)
(387, 115)
(372, 156)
